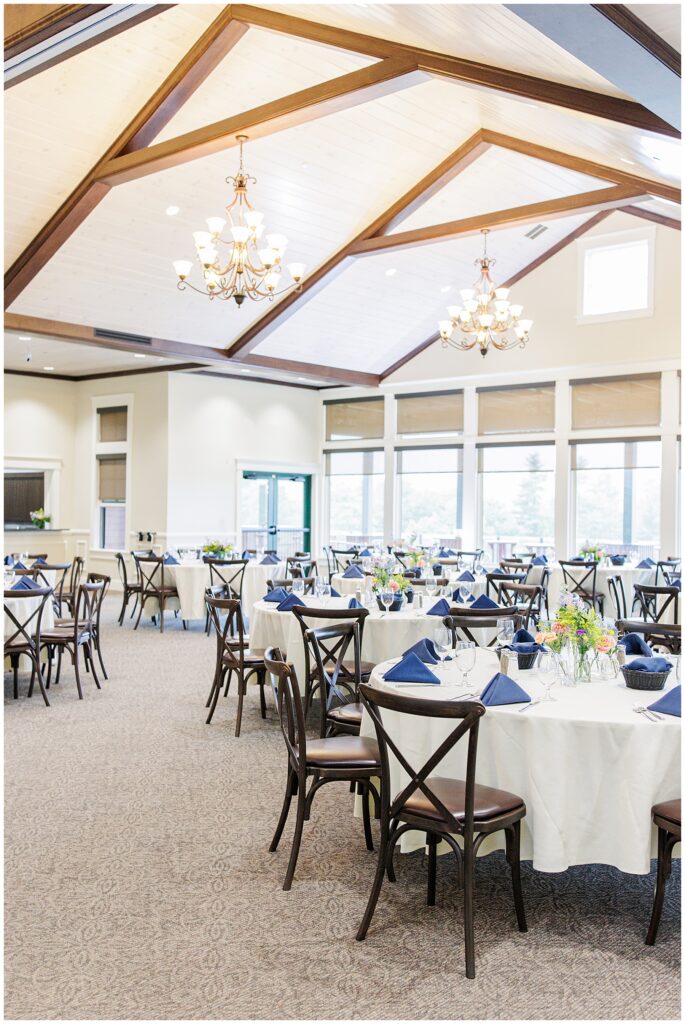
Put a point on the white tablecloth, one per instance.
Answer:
(587, 766)
(192, 578)
(22, 608)
(386, 635)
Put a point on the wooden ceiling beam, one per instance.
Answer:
(189, 73)
(316, 101)
(445, 171)
(584, 202)
(591, 222)
(656, 218)
(644, 36)
(576, 163)
(467, 72)
(342, 376)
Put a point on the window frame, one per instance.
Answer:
(398, 450)
(124, 448)
(608, 241)
(367, 454)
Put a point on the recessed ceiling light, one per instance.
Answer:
(138, 355)
(24, 337)
(303, 378)
(171, 211)
(48, 367)
(246, 371)
(624, 161)
(391, 271)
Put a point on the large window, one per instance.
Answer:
(430, 494)
(616, 276)
(355, 420)
(616, 402)
(355, 496)
(617, 489)
(431, 414)
(24, 493)
(110, 457)
(516, 410)
(516, 498)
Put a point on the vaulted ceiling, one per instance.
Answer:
(378, 150)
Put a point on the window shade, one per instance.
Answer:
(352, 421)
(430, 414)
(624, 402)
(112, 424)
(111, 477)
(516, 410)
(355, 463)
(24, 493)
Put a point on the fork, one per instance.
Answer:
(532, 704)
(651, 716)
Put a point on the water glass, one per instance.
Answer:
(464, 593)
(442, 641)
(431, 586)
(466, 658)
(387, 597)
(505, 631)
(298, 587)
(325, 592)
(318, 586)
(547, 669)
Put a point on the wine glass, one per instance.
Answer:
(318, 586)
(464, 593)
(466, 659)
(547, 669)
(387, 597)
(298, 586)
(325, 592)
(442, 641)
(505, 631)
(431, 586)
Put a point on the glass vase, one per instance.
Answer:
(582, 664)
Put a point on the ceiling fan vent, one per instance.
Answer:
(139, 339)
(536, 231)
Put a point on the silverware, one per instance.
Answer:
(526, 707)
(460, 696)
(652, 716)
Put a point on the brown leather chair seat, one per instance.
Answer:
(338, 751)
(249, 657)
(346, 714)
(488, 802)
(669, 810)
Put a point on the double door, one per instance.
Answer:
(276, 511)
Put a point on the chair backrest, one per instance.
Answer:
(661, 633)
(618, 595)
(494, 580)
(60, 570)
(309, 618)
(524, 596)
(150, 572)
(401, 557)
(22, 632)
(76, 573)
(230, 572)
(466, 619)
(342, 558)
(664, 566)
(231, 629)
(580, 577)
(516, 565)
(330, 646)
(299, 567)
(42, 554)
(98, 577)
(121, 568)
(308, 581)
(331, 564)
(290, 710)
(655, 602)
(525, 556)
(471, 556)
(419, 581)
(87, 601)
(466, 714)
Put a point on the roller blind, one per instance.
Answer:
(111, 477)
(112, 424)
(441, 413)
(516, 410)
(619, 402)
(354, 421)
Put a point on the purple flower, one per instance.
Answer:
(581, 631)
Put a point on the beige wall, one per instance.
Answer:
(549, 297)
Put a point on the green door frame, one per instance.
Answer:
(272, 513)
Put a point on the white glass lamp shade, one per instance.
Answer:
(454, 312)
(485, 319)
(471, 305)
(268, 257)
(202, 239)
(212, 280)
(182, 268)
(271, 281)
(240, 233)
(516, 311)
(525, 325)
(216, 225)
(445, 327)
(483, 300)
(296, 271)
(501, 294)
(464, 316)
(466, 294)
(253, 218)
(520, 333)
(277, 242)
(207, 256)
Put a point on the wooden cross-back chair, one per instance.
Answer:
(228, 573)
(494, 580)
(657, 604)
(664, 566)
(341, 563)
(287, 584)
(657, 634)
(60, 570)
(331, 561)
(440, 806)
(76, 635)
(340, 707)
(618, 595)
(527, 597)
(153, 587)
(98, 577)
(461, 621)
(667, 817)
(346, 758)
(308, 618)
(129, 589)
(22, 634)
(472, 556)
(581, 578)
(232, 656)
(70, 592)
(300, 567)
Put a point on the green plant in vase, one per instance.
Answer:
(217, 549)
(40, 517)
(580, 632)
(592, 552)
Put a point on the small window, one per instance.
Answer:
(616, 276)
(616, 402)
(112, 424)
(354, 421)
(431, 414)
(24, 493)
(516, 410)
(112, 501)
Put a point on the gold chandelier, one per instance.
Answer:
(487, 317)
(237, 268)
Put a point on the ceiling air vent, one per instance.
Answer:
(139, 339)
(536, 231)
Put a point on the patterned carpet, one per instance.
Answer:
(139, 884)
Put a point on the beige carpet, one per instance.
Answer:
(139, 884)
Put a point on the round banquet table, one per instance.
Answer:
(385, 634)
(587, 766)
(192, 578)
(255, 580)
(348, 585)
(21, 608)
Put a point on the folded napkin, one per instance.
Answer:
(522, 636)
(634, 644)
(577, 558)
(365, 553)
(540, 560)
(669, 704)
(170, 560)
(278, 594)
(649, 665)
(486, 603)
(646, 563)
(269, 560)
(39, 561)
(410, 670)
(526, 648)
(334, 592)
(440, 608)
(26, 583)
(498, 572)
(354, 603)
(437, 569)
(617, 559)
(446, 553)
(18, 565)
(350, 551)
(289, 601)
(247, 555)
(467, 577)
(353, 572)
(425, 651)
(503, 690)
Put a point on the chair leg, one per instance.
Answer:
(363, 790)
(15, 672)
(40, 679)
(242, 687)
(91, 659)
(76, 673)
(214, 694)
(513, 841)
(290, 791)
(99, 654)
(261, 679)
(140, 611)
(297, 839)
(123, 608)
(377, 882)
(135, 605)
(469, 943)
(663, 870)
(432, 842)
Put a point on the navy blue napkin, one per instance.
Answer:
(334, 592)
(410, 670)
(353, 572)
(634, 644)
(649, 665)
(540, 560)
(467, 577)
(437, 569)
(440, 608)
(247, 555)
(617, 559)
(365, 553)
(669, 704)
(26, 583)
(39, 561)
(486, 603)
(170, 560)
(269, 560)
(425, 650)
(503, 690)
(676, 584)
(522, 636)
(446, 553)
(278, 594)
(646, 563)
(289, 601)
(498, 572)
(9, 560)
(19, 565)
(354, 603)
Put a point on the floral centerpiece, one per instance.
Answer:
(217, 548)
(416, 557)
(578, 631)
(384, 577)
(592, 552)
(40, 517)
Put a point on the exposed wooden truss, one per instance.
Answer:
(628, 22)
(656, 218)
